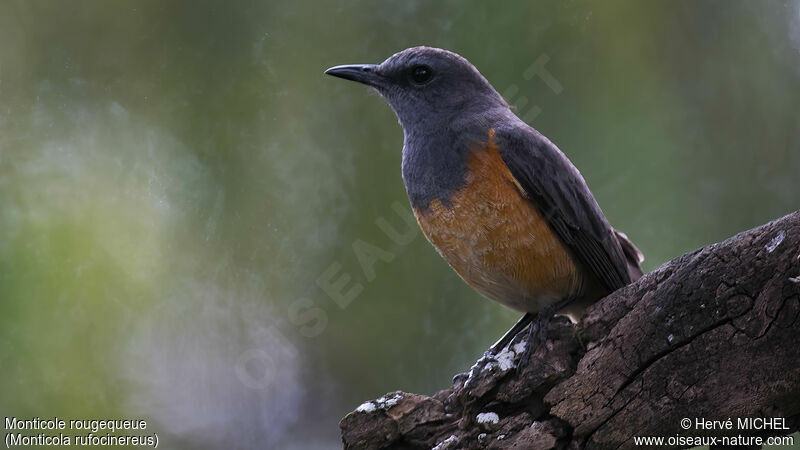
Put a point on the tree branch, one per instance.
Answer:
(710, 335)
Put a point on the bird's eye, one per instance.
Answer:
(421, 74)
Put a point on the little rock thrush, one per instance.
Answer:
(500, 202)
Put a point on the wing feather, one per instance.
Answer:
(561, 195)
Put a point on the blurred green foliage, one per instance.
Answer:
(176, 176)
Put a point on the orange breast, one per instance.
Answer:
(497, 241)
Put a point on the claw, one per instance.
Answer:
(537, 336)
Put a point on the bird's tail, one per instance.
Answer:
(633, 256)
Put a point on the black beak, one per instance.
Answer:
(362, 73)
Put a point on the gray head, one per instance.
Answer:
(426, 86)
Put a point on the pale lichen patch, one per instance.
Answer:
(775, 242)
(447, 443)
(366, 407)
(381, 403)
(488, 417)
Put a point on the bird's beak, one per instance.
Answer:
(362, 73)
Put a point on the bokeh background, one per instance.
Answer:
(177, 177)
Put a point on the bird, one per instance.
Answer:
(504, 206)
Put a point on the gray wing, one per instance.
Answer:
(559, 192)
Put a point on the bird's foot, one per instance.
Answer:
(537, 336)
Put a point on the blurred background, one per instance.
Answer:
(182, 191)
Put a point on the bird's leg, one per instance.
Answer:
(537, 335)
(537, 331)
(509, 336)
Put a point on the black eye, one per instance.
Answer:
(421, 74)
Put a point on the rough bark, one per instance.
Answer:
(711, 334)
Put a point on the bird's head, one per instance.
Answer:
(425, 86)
